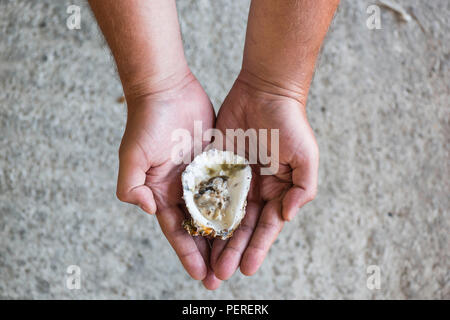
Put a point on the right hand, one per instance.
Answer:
(150, 179)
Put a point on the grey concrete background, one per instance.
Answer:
(379, 104)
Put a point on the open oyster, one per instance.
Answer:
(215, 188)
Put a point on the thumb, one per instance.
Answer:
(131, 186)
(295, 198)
(304, 189)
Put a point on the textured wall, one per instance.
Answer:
(379, 105)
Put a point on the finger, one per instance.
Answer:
(210, 282)
(303, 191)
(130, 183)
(170, 220)
(217, 248)
(269, 226)
(230, 257)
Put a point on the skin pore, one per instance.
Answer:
(282, 43)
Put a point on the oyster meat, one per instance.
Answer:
(215, 188)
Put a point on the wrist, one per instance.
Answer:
(270, 84)
(156, 84)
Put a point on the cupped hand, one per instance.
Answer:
(148, 175)
(275, 198)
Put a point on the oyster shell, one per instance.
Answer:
(215, 188)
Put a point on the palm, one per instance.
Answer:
(147, 145)
(272, 198)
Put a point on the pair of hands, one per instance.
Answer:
(150, 179)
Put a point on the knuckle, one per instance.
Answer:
(121, 195)
(311, 194)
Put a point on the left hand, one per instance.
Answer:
(272, 198)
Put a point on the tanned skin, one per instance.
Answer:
(282, 44)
